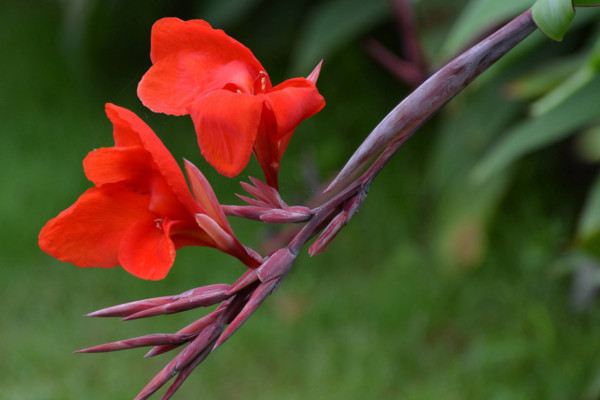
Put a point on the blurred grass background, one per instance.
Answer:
(469, 273)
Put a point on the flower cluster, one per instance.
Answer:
(141, 210)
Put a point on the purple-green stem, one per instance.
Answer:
(242, 298)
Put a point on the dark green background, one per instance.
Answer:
(400, 306)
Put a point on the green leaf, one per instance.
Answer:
(587, 144)
(463, 209)
(330, 25)
(594, 56)
(478, 17)
(462, 217)
(553, 17)
(574, 83)
(540, 81)
(563, 91)
(535, 133)
(589, 222)
(586, 3)
(471, 122)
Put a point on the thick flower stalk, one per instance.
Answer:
(200, 71)
(140, 210)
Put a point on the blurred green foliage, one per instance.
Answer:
(469, 273)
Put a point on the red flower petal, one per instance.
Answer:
(292, 102)
(116, 164)
(282, 144)
(190, 58)
(269, 154)
(187, 233)
(126, 126)
(172, 35)
(164, 203)
(172, 84)
(226, 124)
(130, 128)
(267, 151)
(146, 250)
(89, 233)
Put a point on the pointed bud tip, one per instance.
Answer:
(151, 353)
(336, 181)
(314, 75)
(88, 350)
(99, 314)
(247, 279)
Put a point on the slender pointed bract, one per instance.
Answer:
(258, 296)
(314, 75)
(200, 71)
(250, 277)
(328, 234)
(140, 211)
(196, 351)
(264, 192)
(134, 307)
(126, 309)
(193, 328)
(202, 343)
(350, 208)
(155, 339)
(185, 372)
(183, 304)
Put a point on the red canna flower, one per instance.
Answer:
(141, 209)
(200, 71)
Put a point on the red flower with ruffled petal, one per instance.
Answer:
(201, 71)
(141, 209)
